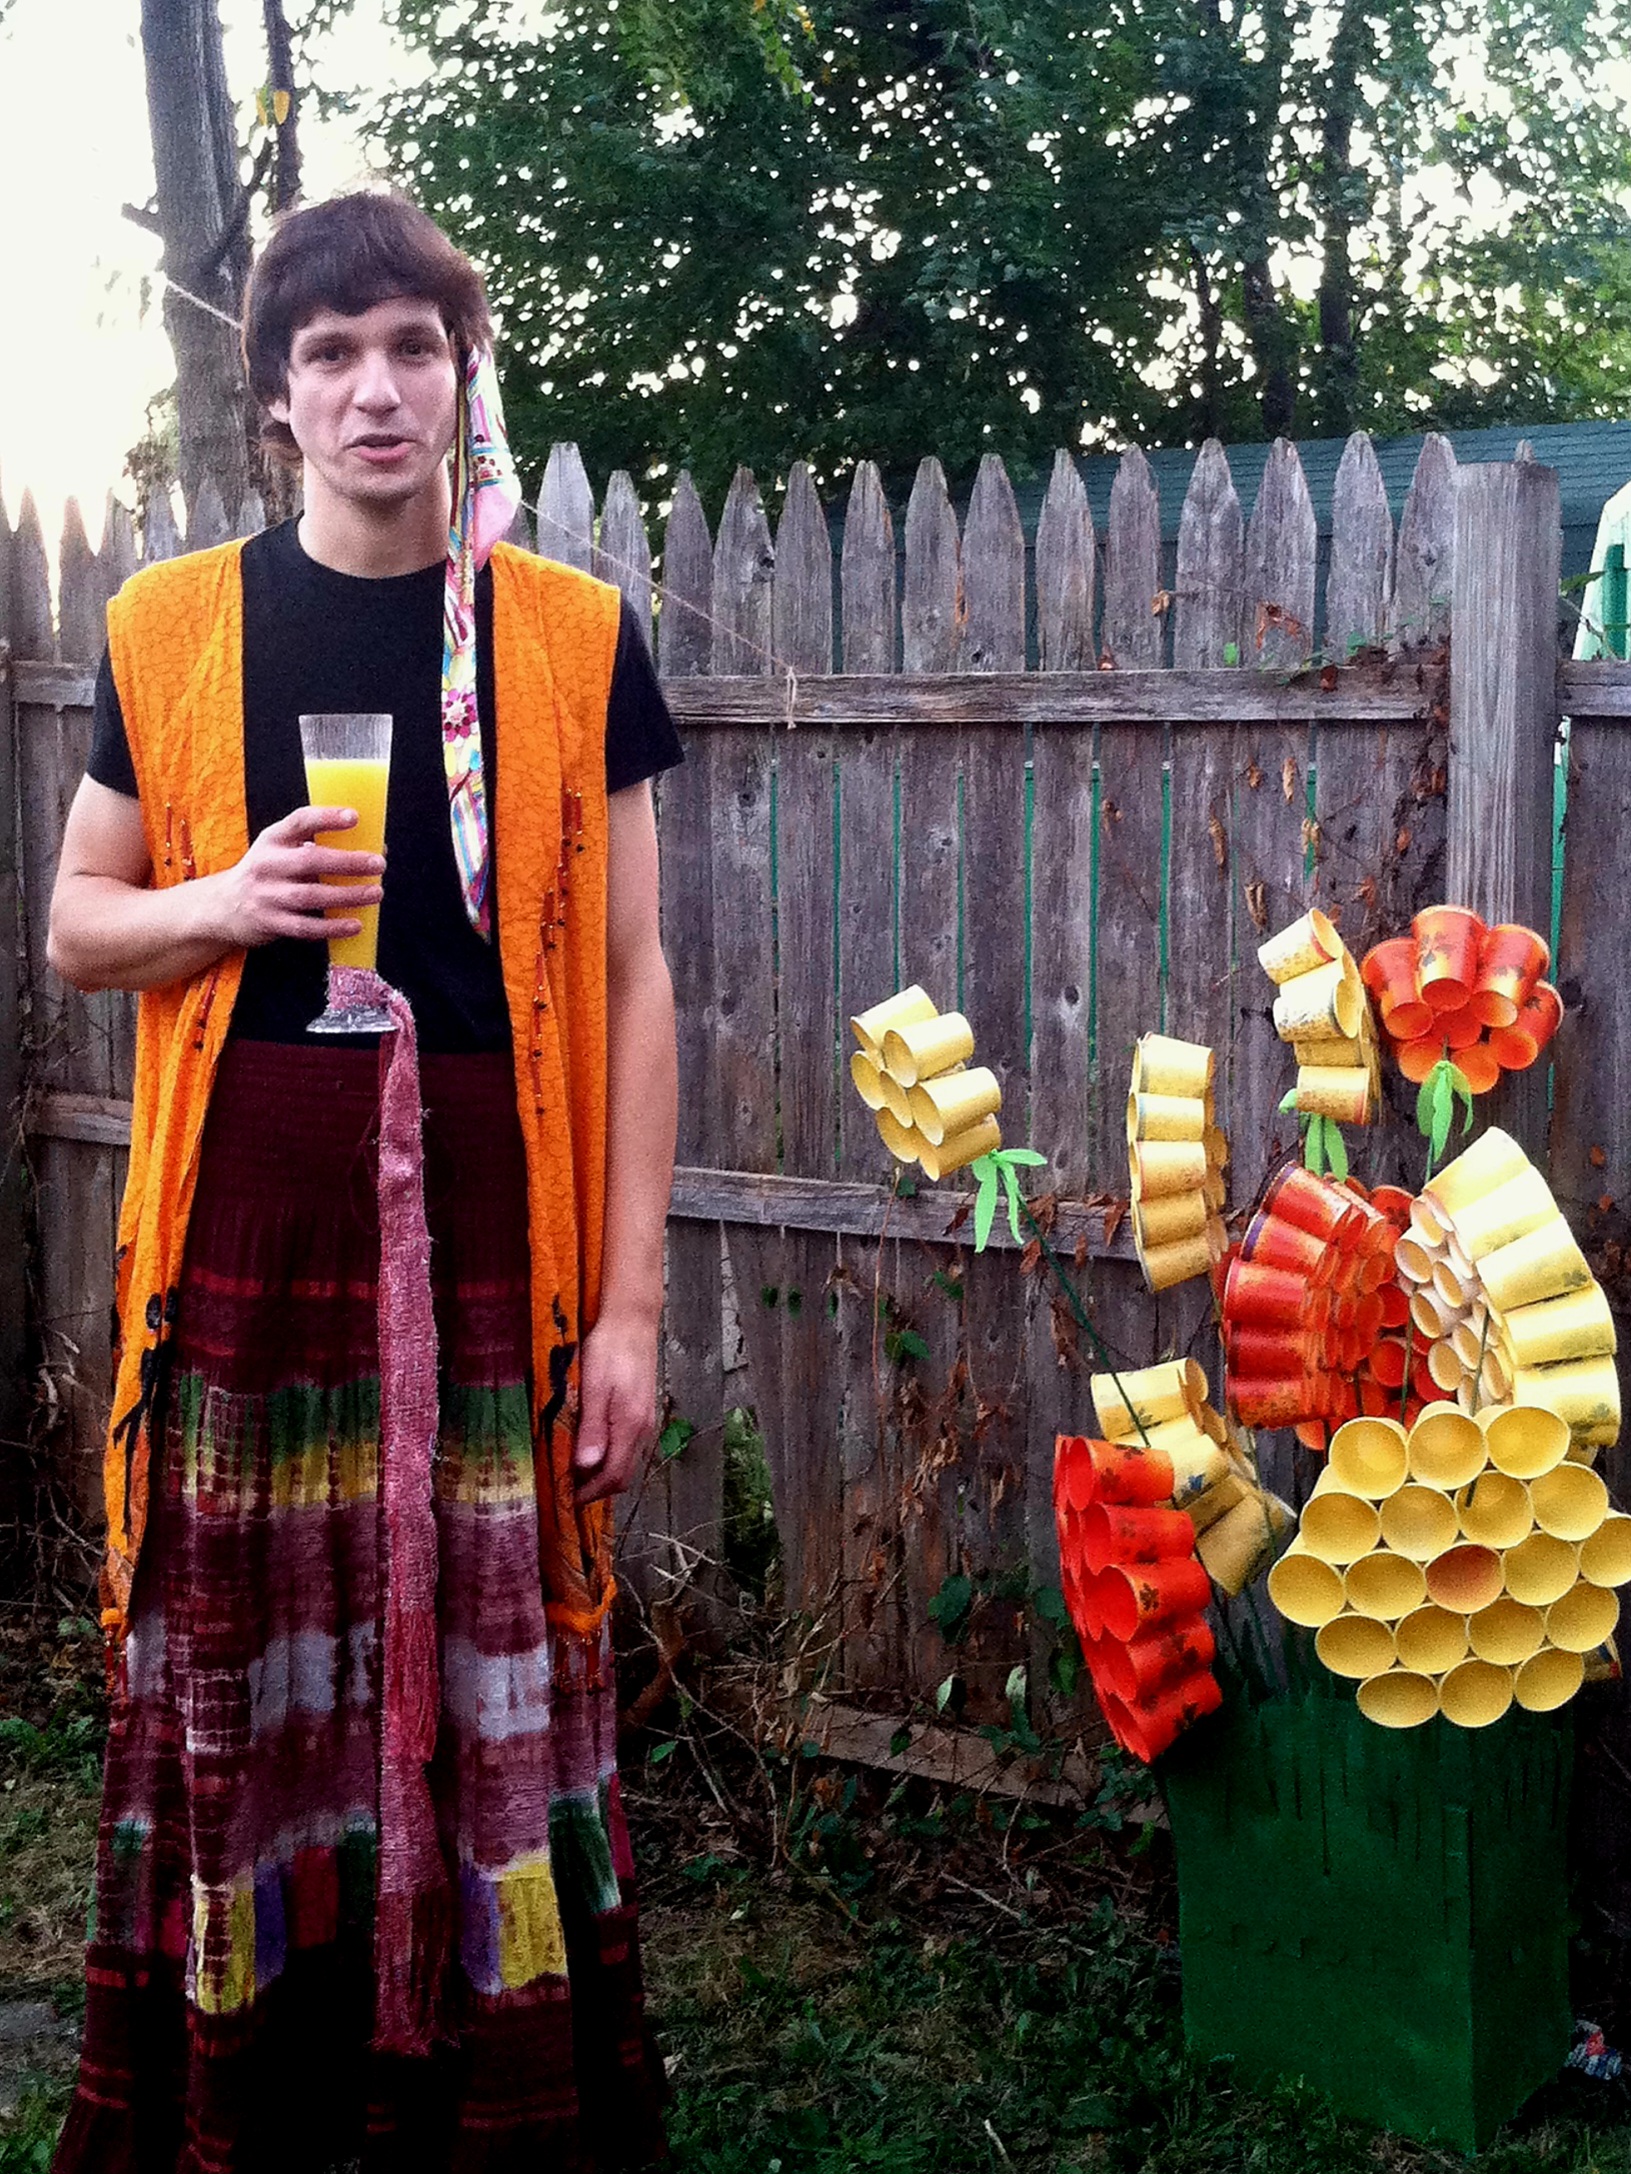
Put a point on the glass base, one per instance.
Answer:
(354, 1019)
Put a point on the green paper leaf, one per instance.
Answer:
(1288, 1101)
(1462, 1087)
(985, 1201)
(1424, 1107)
(1314, 1145)
(1010, 1182)
(1336, 1150)
(1443, 1107)
(1026, 1156)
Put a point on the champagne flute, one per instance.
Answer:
(348, 763)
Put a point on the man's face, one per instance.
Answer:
(372, 399)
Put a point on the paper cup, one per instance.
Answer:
(959, 1149)
(1139, 1671)
(1605, 1555)
(1475, 1694)
(1138, 1597)
(1506, 1632)
(1545, 1263)
(1124, 1472)
(1448, 941)
(1277, 1298)
(1583, 1618)
(1162, 1065)
(1491, 1159)
(1261, 1401)
(1494, 1511)
(1311, 1202)
(1116, 1533)
(1398, 1699)
(1445, 1368)
(1415, 1261)
(1343, 1095)
(918, 1049)
(1508, 1211)
(1445, 1448)
(1241, 1543)
(954, 1101)
(1430, 1639)
(1450, 1287)
(868, 1080)
(1148, 1394)
(1464, 1579)
(1330, 1052)
(1148, 1729)
(1169, 1220)
(1540, 1569)
(906, 1008)
(1325, 1001)
(1205, 1510)
(1386, 1586)
(1548, 1680)
(1525, 1441)
(1569, 1503)
(1416, 1059)
(1579, 1326)
(897, 1101)
(1166, 1117)
(1389, 973)
(1338, 1526)
(1355, 1645)
(1166, 1166)
(1307, 944)
(1305, 1588)
(1516, 1047)
(1511, 960)
(1458, 1030)
(1369, 1457)
(1418, 1522)
(1387, 1363)
(901, 1140)
(1584, 1392)
(1272, 1242)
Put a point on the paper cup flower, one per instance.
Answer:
(1302, 1301)
(1321, 1010)
(1458, 987)
(1457, 1567)
(912, 1069)
(1504, 1297)
(1150, 1517)
(1176, 1155)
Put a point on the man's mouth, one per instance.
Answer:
(380, 442)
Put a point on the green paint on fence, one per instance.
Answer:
(1093, 923)
(1030, 820)
(1164, 917)
(962, 890)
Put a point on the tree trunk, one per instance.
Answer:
(280, 79)
(201, 209)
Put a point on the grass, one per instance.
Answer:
(917, 1985)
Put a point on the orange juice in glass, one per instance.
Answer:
(348, 765)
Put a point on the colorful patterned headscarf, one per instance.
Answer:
(486, 493)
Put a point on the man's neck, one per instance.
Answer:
(375, 541)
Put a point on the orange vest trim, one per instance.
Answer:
(175, 636)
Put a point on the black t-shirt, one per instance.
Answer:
(314, 641)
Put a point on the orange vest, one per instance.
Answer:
(175, 634)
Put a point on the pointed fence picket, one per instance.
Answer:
(1067, 781)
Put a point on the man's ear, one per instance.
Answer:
(278, 408)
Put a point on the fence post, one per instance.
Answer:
(1503, 720)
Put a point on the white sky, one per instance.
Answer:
(73, 149)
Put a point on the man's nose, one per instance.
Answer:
(376, 387)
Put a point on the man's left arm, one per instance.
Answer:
(618, 1415)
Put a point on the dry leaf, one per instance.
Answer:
(1109, 812)
(1161, 604)
(1311, 836)
(1257, 907)
(1401, 844)
(1220, 844)
(1328, 678)
(1254, 776)
(1115, 1214)
(1605, 1201)
(1078, 1257)
(1366, 893)
(1596, 1157)
(1288, 779)
(1031, 1259)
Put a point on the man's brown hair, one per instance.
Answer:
(346, 255)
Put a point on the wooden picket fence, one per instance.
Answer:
(1067, 783)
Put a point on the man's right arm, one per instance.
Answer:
(111, 929)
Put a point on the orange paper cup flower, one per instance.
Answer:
(1516, 1047)
(1389, 973)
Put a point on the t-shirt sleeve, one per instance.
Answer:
(110, 762)
(640, 734)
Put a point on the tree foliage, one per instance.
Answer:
(723, 230)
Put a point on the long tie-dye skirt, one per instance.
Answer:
(229, 1979)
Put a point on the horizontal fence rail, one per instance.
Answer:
(1067, 779)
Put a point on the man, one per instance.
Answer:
(363, 1883)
